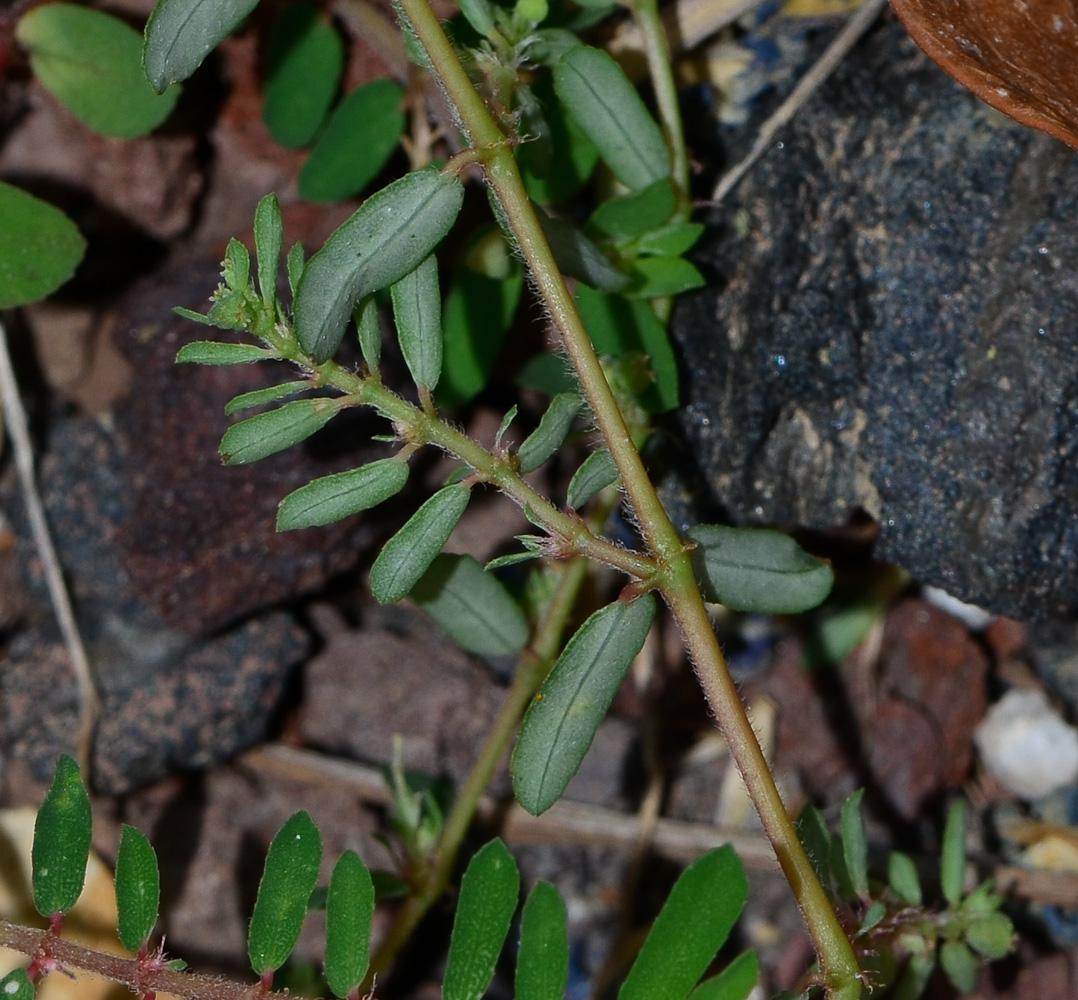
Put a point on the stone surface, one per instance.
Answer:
(891, 326)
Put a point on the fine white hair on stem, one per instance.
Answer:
(19, 435)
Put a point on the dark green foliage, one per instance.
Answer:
(349, 908)
(273, 431)
(488, 897)
(543, 955)
(329, 498)
(406, 556)
(560, 723)
(181, 33)
(417, 313)
(288, 879)
(549, 436)
(693, 924)
(356, 144)
(40, 247)
(470, 604)
(91, 63)
(138, 888)
(303, 71)
(61, 841)
(596, 472)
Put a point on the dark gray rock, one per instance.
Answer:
(892, 327)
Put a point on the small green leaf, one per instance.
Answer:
(992, 935)
(356, 144)
(902, 877)
(273, 431)
(560, 723)
(16, 985)
(672, 241)
(637, 212)
(181, 33)
(507, 420)
(384, 239)
(735, 982)
(294, 265)
(577, 256)
(596, 472)
(619, 326)
(138, 888)
(90, 62)
(478, 313)
(854, 844)
(816, 840)
(269, 235)
(330, 498)
(480, 15)
(406, 556)
(754, 569)
(40, 247)
(246, 400)
(288, 880)
(472, 606)
(303, 71)
(960, 965)
(61, 841)
(953, 854)
(543, 955)
(349, 908)
(693, 924)
(547, 45)
(873, 915)
(369, 332)
(488, 897)
(417, 313)
(548, 373)
(210, 352)
(548, 437)
(659, 277)
(608, 108)
(553, 179)
(914, 979)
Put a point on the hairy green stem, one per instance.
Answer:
(674, 579)
(532, 668)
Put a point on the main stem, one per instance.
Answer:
(675, 579)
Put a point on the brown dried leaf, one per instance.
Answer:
(1016, 55)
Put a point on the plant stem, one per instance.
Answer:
(531, 670)
(675, 578)
(661, 71)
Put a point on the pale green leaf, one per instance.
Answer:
(40, 247)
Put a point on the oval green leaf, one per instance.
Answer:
(543, 955)
(181, 33)
(246, 400)
(16, 985)
(488, 898)
(211, 352)
(658, 277)
(577, 256)
(384, 239)
(596, 472)
(40, 247)
(735, 982)
(693, 924)
(61, 841)
(288, 880)
(138, 888)
(91, 63)
(269, 236)
(854, 843)
(328, 499)
(471, 606)
(606, 106)
(303, 71)
(369, 332)
(547, 438)
(356, 144)
(406, 556)
(960, 965)
(262, 435)
(903, 879)
(560, 723)
(953, 854)
(754, 569)
(417, 314)
(671, 241)
(349, 908)
(991, 935)
(637, 212)
(552, 179)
